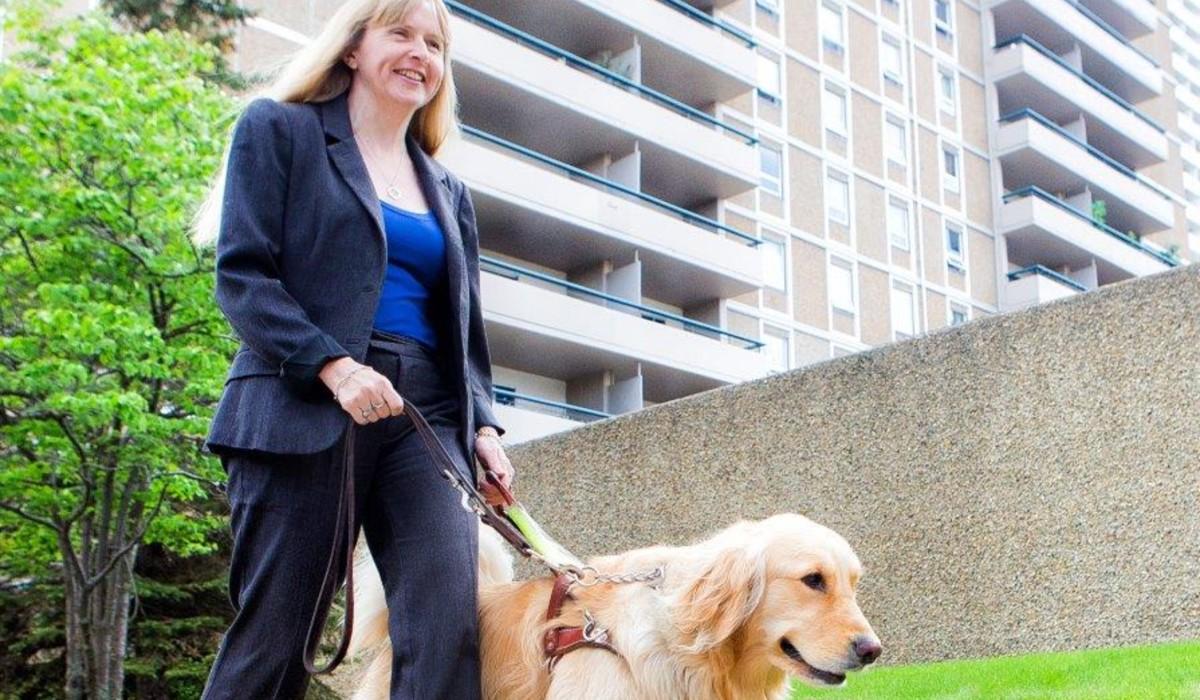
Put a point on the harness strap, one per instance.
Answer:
(558, 641)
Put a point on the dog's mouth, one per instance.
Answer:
(812, 671)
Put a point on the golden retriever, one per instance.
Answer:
(735, 616)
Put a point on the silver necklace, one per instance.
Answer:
(391, 189)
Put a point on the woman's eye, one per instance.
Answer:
(814, 581)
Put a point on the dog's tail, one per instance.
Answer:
(495, 558)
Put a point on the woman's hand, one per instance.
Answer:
(490, 453)
(365, 394)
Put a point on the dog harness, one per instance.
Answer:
(560, 640)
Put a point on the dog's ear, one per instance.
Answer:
(723, 595)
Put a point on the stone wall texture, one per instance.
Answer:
(1025, 482)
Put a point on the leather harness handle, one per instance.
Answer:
(345, 525)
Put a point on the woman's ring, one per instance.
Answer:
(377, 405)
(363, 412)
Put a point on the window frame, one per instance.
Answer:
(846, 266)
(771, 184)
(844, 180)
(898, 76)
(952, 183)
(894, 204)
(955, 260)
(838, 45)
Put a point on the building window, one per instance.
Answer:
(897, 223)
(958, 315)
(903, 318)
(895, 140)
(833, 110)
(774, 256)
(770, 162)
(841, 285)
(832, 31)
(837, 197)
(891, 57)
(947, 89)
(777, 348)
(955, 246)
(768, 76)
(950, 168)
(943, 16)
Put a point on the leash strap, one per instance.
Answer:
(344, 528)
(345, 525)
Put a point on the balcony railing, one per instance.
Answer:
(514, 272)
(596, 69)
(1110, 29)
(508, 397)
(1045, 196)
(1044, 271)
(690, 216)
(708, 19)
(1122, 102)
(1125, 170)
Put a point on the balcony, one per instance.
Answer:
(526, 91)
(547, 326)
(1132, 18)
(1027, 74)
(527, 417)
(1105, 54)
(1042, 229)
(1038, 284)
(556, 215)
(696, 62)
(1035, 151)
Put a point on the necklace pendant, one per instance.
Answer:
(394, 192)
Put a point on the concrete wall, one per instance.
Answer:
(1024, 482)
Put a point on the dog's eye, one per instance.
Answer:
(814, 581)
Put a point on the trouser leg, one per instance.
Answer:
(426, 547)
(283, 518)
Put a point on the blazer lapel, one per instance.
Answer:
(343, 151)
(435, 185)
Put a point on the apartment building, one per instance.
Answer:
(676, 195)
(1183, 20)
(1086, 155)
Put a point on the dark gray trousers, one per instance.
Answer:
(422, 540)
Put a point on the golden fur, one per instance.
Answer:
(714, 630)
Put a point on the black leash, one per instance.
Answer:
(472, 500)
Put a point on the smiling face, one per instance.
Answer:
(401, 63)
(809, 619)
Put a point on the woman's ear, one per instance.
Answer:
(723, 596)
(351, 61)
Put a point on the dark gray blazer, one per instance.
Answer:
(301, 259)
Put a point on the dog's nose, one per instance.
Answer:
(867, 649)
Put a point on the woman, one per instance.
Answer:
(347, 262)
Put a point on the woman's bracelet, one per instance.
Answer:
(487, 431)
(337, 389)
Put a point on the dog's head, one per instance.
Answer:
(782, 591)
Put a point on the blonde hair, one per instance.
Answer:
(316, 73)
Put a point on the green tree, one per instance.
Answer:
(112, 352)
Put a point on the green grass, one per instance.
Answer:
(1161, 672)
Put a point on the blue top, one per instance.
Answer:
(413, 300)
